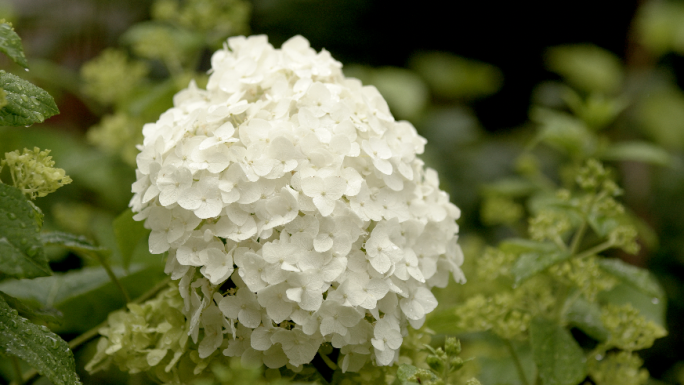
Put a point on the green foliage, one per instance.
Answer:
(26, 103)
(83, 296)
(21, 250)
(215, 20)
(455, 77)
(559, 358)
(587, 67)
(38, 346)
(128, 233)
(10, 44)
(111, 77)
(640, 279)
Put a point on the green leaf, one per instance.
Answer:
(443, 320)
(455, 77)
(586, 316)
(10, 44)
(513, 187)
(638, 278)
(77, 243)
(638, 151)
(564, 132)
(650, 307)
(501, 365)
(601, 223)
(559, 359)
(530, 264)
(44, 350)
(522, 245)
(26, 103)
(587, 67)
(128, 234)
(43, 315)
(404, 372)
(21, 251)
(85, 296)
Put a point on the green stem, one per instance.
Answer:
(328, 361)
(112, 276)
(595, 250)
(516, 360)
(17, 371)
(577, 239)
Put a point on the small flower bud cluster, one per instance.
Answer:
(294, 210)
(32, 172)
(150, 337)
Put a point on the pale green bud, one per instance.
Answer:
(32, 172)
(452, 346)
(111, 77)
(117, 134)
(621, 368)
(500, 210)
(625, 237)
(435, 363)
(629, 330)
(549, 225)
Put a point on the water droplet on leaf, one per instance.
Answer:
(12, 216)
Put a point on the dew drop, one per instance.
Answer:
(26, 69)
(23, 241)
(655, 301)
(39, 116)
(12, 216)
(32, 251)
(24, 98)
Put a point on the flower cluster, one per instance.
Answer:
(294, 210)
(32, 172)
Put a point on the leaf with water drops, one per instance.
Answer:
(76, 243)
(37, 345)
(26, 103)
(638, 278)
(559, 359)
(43, 315)
(10, 44)
(21, 249)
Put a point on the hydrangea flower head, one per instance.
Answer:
(294, 210)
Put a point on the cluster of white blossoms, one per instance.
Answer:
(294, 210)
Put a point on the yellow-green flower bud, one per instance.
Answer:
(629, 330)
(456, 363)
(452, 346)
(436, 363)
(32, 172)
(111, 77)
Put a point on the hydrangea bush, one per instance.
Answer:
(294, 210)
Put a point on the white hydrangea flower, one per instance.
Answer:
(294, 210)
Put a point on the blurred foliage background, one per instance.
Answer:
(478, 82)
